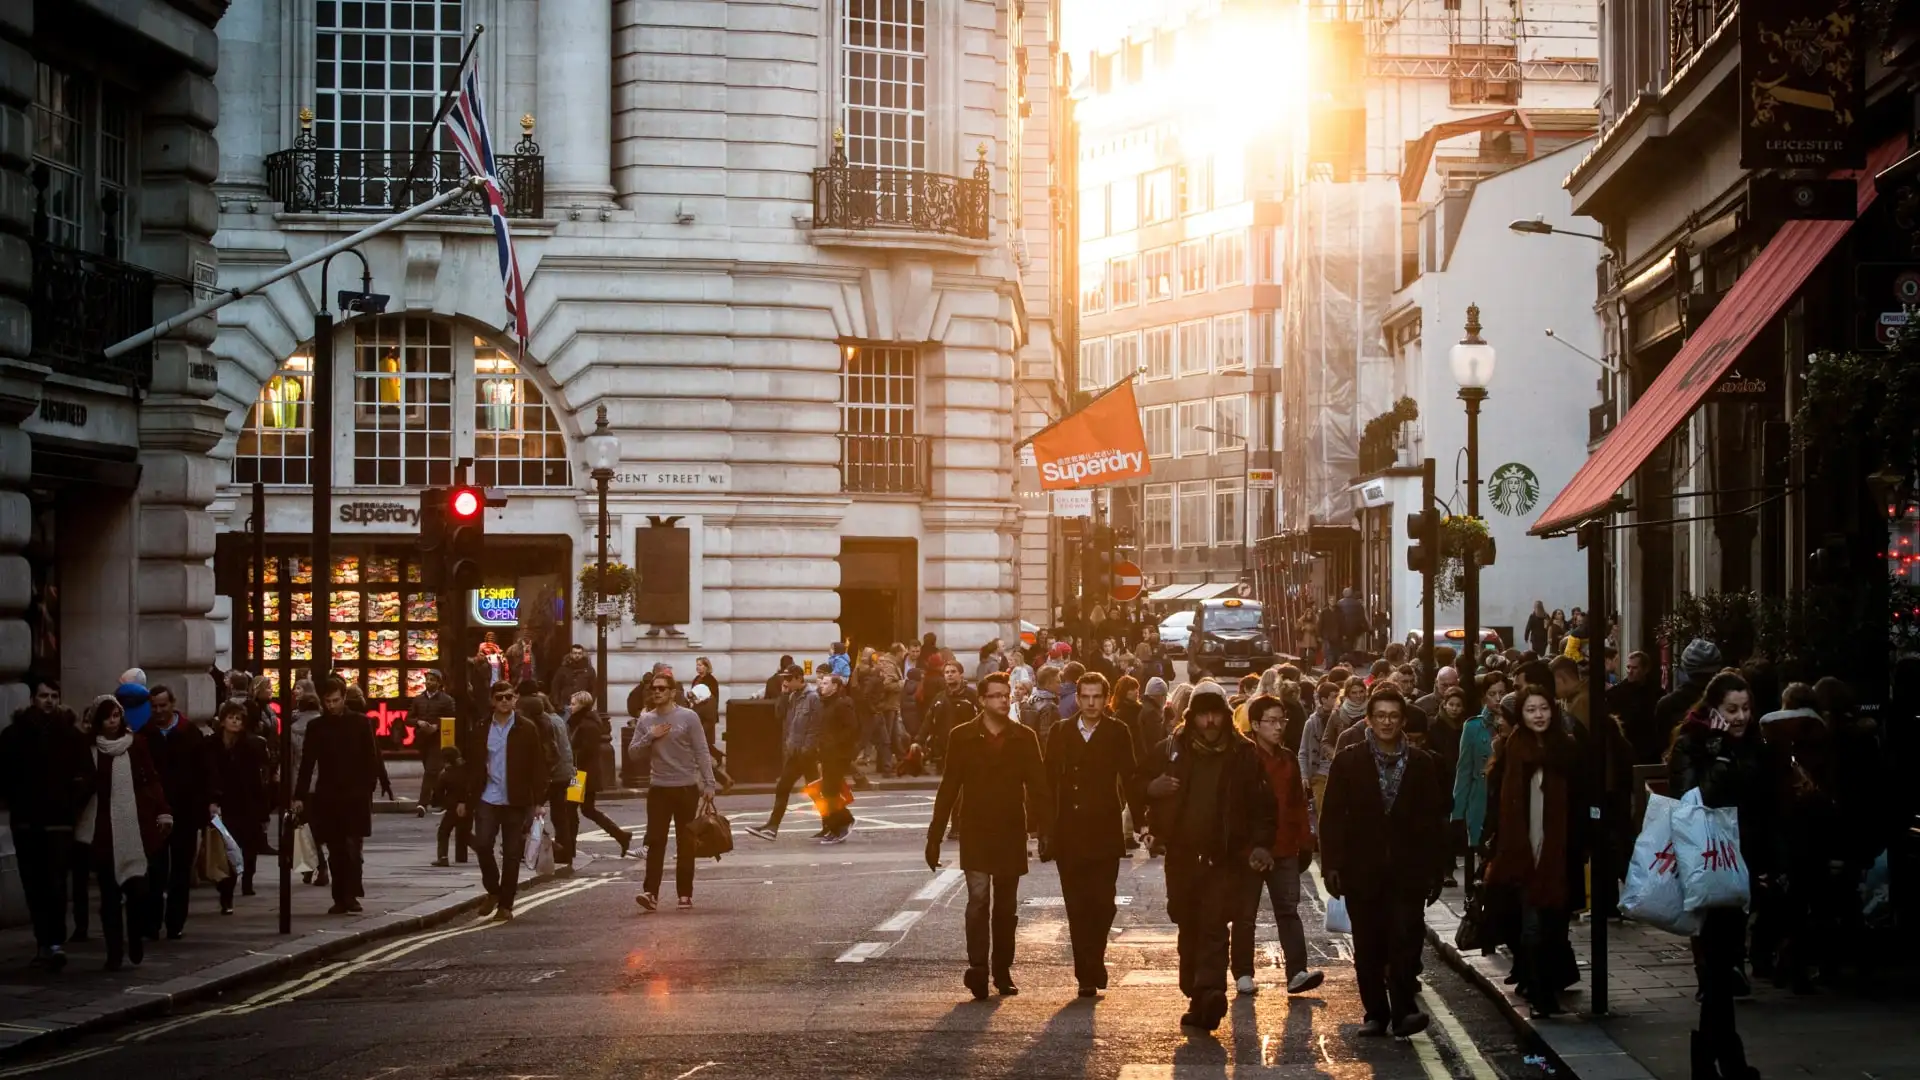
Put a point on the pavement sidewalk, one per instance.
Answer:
(403, 894)
(1651, 1011)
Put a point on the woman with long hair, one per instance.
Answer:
(1470, 771)
(126, 819)
(240, 763)
(1718, 752)
(1533, 846)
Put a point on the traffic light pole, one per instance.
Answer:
(1427, 579)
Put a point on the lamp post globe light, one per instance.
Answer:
(1472, 361)
(603, 453)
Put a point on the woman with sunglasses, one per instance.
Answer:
(680, 771)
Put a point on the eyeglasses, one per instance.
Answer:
(505, 695)
(661, 688)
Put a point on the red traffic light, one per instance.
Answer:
(466, 503)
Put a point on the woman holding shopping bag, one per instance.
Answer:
(1717, 750)
(125, 821)
(242, 767)
(1533, 837)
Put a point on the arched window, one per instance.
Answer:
(418, 393)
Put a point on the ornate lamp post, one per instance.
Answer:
(1472, 362)
(603, 453)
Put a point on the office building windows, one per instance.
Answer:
(1230, 259)
(1189, 439)
(1195, 352)
(1123, 281)
(1156, 274)
(1193, 266)
(1192, 515)
(1159, 348)
(1230, 342)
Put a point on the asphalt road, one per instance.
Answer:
(797, 960)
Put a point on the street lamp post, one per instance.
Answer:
(1472, 362)
(603, 453)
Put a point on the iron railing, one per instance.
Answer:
(1689, 24)
(308, 179)
(847, 196)
(885, 464)
(82, 303)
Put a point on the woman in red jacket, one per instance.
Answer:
(125, 821)
(1292, 851)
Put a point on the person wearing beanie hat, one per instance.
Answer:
(1699, 662)
(1150, 725)
(134, 699)
(1213, 808)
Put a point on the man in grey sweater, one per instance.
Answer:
(680, 774)
(800, 715)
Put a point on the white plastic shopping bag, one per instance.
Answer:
(1337, 920)
(1653, 894)
(539, 833)
(1706, 844)
(232, 845)
(306, 853)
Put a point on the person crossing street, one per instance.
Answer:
(680, 775)
(1089, 781)
(994, 766)
(504, 786)
(800, 713)
(1292, 851)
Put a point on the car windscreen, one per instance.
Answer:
(1244, 617)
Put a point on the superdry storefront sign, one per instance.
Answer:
(1100, 444)
(376, 515)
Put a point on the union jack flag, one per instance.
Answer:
(467, 122)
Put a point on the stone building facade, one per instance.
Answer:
(782, 245)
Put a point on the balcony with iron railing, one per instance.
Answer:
(308, 179)
(1690, 24)
(885, 464)
(81, 303)
(858, 198)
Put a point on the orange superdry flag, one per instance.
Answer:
(1100, 444)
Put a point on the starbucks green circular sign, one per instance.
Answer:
(1513, 488)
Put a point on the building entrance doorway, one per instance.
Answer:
(879, 592)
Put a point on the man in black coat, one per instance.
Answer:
(183, 755)
(994, 765)
(430, 713)
(1090, 772)
(954, 703)
(46, 775)
(340, 744)
(1214, 810)
(508, 779)
(1383, 848)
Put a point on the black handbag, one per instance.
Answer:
(712, 832)
(1471, 934)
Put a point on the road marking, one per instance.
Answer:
(545, 975)
(695, 1069)
(933, 890)
(56, 1062)
(1477, 1065)
(862, 952)
(899, 922)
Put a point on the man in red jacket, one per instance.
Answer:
(1292, 851)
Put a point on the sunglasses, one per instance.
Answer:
(505, 696)
(661, 688)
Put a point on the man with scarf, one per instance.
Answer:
(1383, 848)
(1213, 809)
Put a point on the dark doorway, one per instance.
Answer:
(879, 592)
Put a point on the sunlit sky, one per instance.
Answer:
(1087, 23)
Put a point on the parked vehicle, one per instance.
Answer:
(1456, 637)
(1230, 637)
(1175, 630)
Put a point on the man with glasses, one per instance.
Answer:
(994, 766)
(1292, 851)
(502, 794)
(680, 771)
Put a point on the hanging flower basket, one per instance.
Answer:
(618, 588)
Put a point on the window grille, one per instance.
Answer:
(275, 447)
(879, 391)
(403, 401)
(884, 83)
(1159, 346)
(380, 68)
(517, 441)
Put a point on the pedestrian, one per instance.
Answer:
(563, 814)
(1534, 842)
(429, 711)
(1635, 700)
(182, 752)
(306, 709)
(1535, 633)
(1212, 808)
(1313, 759)
(680, 774)
(1382, 846)
(953, 704)
(876, 686)
(839, 740)
(800, 713)
(1802, 749)
(357, 705)
(838, 661)
(1349, 724)
(1089, 782)
(240, 774)
(1041, 711)
(775, 680)
(592, 744)
(1469, 813)
(1447, 676)
(520, 658)
(80, 858)
(1718, 752)
(1292, 851)
(46, 777)
(575, 674)
(340, 747)
(707, 706)
(126, 820)
(1294, 708)
(503, 788)
(994, 766)
(449, 791)
(1151, 725)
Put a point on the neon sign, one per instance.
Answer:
(495, 606)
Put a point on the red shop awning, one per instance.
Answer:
(1766, 287)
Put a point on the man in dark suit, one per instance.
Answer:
(1090, 770)
(1215, 812)
(508, 780)
(994, 765)
(340, 744)
(1383, 848)
(183, 755)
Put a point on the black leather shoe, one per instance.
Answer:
(1409, 1025)
(1005, 988)
(1372, 1029)
(976, 981)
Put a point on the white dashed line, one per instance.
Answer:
(933, 890)
(862, 952)
(900, 922)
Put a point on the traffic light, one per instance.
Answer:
(466, 536)
(433, 535)
(1096, 574)
(1423, 542)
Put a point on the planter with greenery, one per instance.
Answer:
(1377, 449)
(619, 589)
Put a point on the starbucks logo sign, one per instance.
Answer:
(1513, 488)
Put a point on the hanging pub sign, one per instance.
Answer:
(1803, 74)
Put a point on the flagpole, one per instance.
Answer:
(446, 103)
